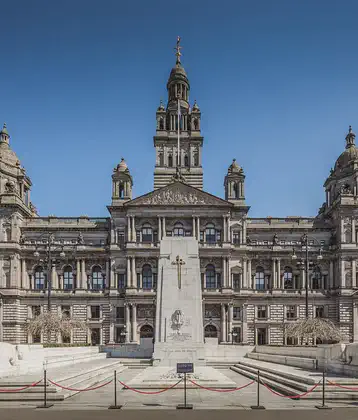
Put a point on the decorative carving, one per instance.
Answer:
(177, 320)
(144, 260)
(10, 187)
(80, 239)
(346, 189)
(179, 194)
(275, 239)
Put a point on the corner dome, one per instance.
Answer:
(350, 154)
(234, 167)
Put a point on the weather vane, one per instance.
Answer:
(177, 49)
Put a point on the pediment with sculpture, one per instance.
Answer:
(178, 194)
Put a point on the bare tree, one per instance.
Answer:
(314, 328)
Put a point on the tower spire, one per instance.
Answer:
(177, 49)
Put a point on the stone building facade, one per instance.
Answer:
(105, 270)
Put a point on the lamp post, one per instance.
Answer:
(49, 248)
(233, 334)
(304, 264)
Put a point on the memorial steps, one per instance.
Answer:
(79, 375)
(291, 381)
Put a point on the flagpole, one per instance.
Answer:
(178, 163)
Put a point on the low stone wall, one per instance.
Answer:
(302, 362)
(225, 352)
(296, 351)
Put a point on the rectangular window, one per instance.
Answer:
(291, 312)
(138, 237)
(121, 280)
(236, 238)
(138, 281)
(201, 236)
(291, 341)
(35, 310)
(261, 312)
(236, 281)
(66, 311)
(320, 311)
(155, 236)
(121, 238)
(237, 312)
(154, 281)
(95, 312)
(120, 312)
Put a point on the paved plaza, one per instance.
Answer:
(201, 399)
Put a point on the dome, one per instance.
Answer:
(121, 167)
(351, 152)
(161, 107)
(4, 130)
(234, 167)
(195, 107)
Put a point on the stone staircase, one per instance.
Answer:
(291, 381)
(136, 363)
(79, 375)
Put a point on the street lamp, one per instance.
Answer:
(304, 264)
(233, 334)
(49, 248)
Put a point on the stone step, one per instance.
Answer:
(302, 362)
(78, 358)
(85, 377)
(290, 384)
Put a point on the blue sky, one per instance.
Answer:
(276, 82)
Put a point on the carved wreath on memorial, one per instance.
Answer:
(177, 320)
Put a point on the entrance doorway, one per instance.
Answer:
(261, 336)
(146, 331)
(95, 336)
(120, 335)
(147, 340)
(210, 331)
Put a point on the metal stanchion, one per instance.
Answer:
(323, 406)
(115, 406)
(258, 406)
(45, 405)
(185, 405)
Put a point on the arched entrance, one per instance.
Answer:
(210, 331)
(146, 334)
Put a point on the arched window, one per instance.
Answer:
(67, 278)
(210, 277)
(210, 233)
(161, 124)
(121, 191)
(236, 190)
(97, 278)
(170, 161)
(260, 278)
(161, 159)
(39, 278)
(147, 277)
(196, 158)
(178, 229)
(316, 278)
(287, 278)
(195, 124)
(210, 331)
(8, 234)
(146, 331)
(186, 160)
(147, 233)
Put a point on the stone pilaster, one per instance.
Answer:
(273, 281)
(83, 275)
(223, 323)
(249, 275)
(134, 322)
(354, 273)
(128, 322)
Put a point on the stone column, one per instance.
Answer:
(231, 317)
(54, 278)
(342, 230)
(112, 274)
(244, 324)
(194, 230)
(354, 271)
(24, 276)
(78, 274)
(31, 282)
(134, 273)
(223, 282)
(331, 274)
(159, 228)
(164, 228)
(279, 278)
(244, 276)
(60, 282)
(228, 232)
(343, 275)
(111, 324)
(198, 228)
(83, 275)
(223, 323)
(129, 275)
(224, 229)
(353, 230)
(129, 232)
(134, 322)
(249, 275)
(273, 281)
(355, 322)
(244, 232)
(128, 322)
(134, 234)
(108, 280)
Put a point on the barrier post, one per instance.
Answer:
(323, 406)
(185, 368)
(45, 405)
(258, 406)
(115, 406)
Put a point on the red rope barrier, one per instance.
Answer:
(342, 386)
(149, 392)
(22, 388)
(291, 396)
(221, 390)
(80, 390)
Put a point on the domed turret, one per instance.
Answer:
(234, 183)
(350, 154)
(122, 182)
